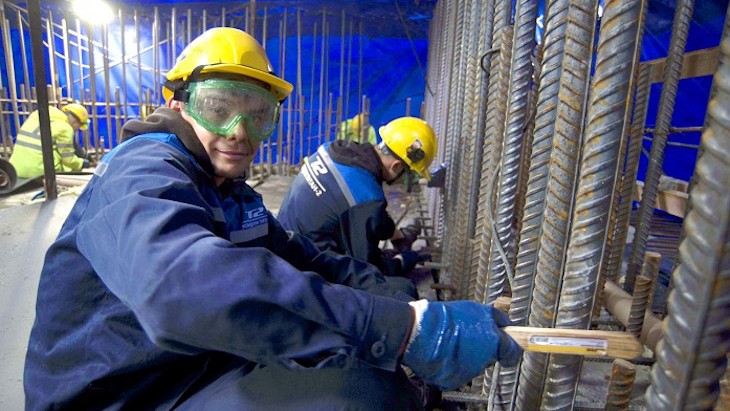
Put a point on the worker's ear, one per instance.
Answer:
(175, 105)
(396, 167)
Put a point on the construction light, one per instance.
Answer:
(93, 11)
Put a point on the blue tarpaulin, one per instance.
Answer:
(391, 37)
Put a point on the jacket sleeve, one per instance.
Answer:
(149, 236)
(363, 227)
(63, 136)
(335, 268)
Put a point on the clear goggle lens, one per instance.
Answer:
(220, 105)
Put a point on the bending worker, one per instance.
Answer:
(170, 285)
(357, 129)
(337, 200)
(27, 157)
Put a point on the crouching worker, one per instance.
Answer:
(337, 200)
(27, 157)
(170, 286)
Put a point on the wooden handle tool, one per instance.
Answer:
(597, 343)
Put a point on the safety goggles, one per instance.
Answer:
(220, 105)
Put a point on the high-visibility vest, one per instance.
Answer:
(348, 132)
(27, 157)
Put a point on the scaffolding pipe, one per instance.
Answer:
(23, 50)
(51, 55)
(10, 64)
(618, 304)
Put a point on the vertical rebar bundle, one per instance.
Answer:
(516, 126)
(463, 129)
(692, 356)
(672, 71)
(488, 287)
(607, 120)
(532, 370)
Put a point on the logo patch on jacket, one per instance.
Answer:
(255, 225)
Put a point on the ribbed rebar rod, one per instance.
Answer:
(522, 283)
(464, 129)
(692, 356)
(504, 153)
(445, 143)
(607, 120)
(517, 111)
(628, 181)
(455, 139)
(532, 369)
(485, 24)
(489, 288)
(478, 201)
(650, 270)
(639, 303)
(672, 72)
(433, 102)
(623, 374)
(616, 199)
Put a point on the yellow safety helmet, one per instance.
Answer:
(78, 111)
(357, 121)
(225, 50)
(413, 141)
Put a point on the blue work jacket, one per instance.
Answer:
(341, 207)
(158, 275)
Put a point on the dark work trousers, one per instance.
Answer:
(276, 388)
(403, 284)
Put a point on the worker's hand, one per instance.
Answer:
(409, 259)
(86, 163)
(411, 229)
(438, 177)
(456, 341)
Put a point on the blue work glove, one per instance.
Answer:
(86, 163)
(409, 259)
(456, 341)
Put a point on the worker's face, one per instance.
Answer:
(230, 122)
(75, 124)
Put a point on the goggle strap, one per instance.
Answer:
(181, 93)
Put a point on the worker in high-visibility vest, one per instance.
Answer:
(357, 129)
(27, 157)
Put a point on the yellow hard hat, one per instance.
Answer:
(78, 111)
(357, 121)
(226, 50)
(413, 141)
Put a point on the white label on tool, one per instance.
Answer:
(588, 344)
